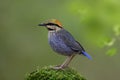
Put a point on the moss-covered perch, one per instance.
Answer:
(47, 73)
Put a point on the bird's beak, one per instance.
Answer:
(42, 24)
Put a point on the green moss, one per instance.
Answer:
(47, 73)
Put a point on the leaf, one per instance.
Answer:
(111, 52)
(110, 42)
(116, 29)
(106, 42)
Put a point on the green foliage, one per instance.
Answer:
(117, 30)
(47, 73)
(111, 51)
(101, 19)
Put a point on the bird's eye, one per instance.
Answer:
(50, 29)
(52, 24)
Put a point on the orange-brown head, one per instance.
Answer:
(52, 24)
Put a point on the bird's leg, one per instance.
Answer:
(65, 63)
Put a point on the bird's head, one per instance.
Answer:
(52, 25)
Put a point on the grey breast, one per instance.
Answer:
(58, 43)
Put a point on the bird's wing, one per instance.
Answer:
(69, 40)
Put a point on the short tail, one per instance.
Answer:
(87, 55)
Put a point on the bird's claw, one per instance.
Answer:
(59, 67)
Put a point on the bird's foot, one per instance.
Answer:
(59, 67)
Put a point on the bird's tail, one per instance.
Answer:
(87, 55)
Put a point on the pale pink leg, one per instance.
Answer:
(65, 63)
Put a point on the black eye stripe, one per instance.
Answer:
(52, 24)
(50, 29)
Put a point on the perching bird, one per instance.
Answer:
(62, 42)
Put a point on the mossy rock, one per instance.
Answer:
(47, 73)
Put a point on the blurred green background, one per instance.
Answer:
(94, 23)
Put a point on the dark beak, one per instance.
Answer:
(42, 24)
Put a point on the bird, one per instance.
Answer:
(62, 42)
